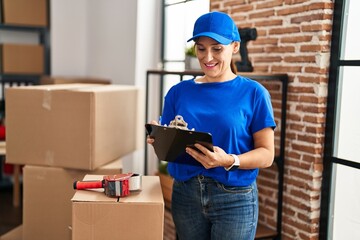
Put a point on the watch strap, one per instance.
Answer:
(236, 163)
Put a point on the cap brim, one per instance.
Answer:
(216, 37)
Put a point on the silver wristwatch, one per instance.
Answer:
(235, 165)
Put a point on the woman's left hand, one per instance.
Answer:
(218, 158)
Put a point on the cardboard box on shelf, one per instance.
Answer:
(67, 79)
(24, 12)
(14, 234)
(47, 193)
(77, 126)
(137, 216)
(21, 59)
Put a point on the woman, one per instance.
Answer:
(218, 199)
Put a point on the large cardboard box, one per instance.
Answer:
(47, 193)
(14, 234)
(67, 79)
(24, 12)
(137, 216)
(21, 59)
(70, 125)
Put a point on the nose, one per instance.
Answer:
(208, 56)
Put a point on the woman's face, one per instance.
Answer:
(215, 58)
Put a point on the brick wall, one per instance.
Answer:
(294, 38)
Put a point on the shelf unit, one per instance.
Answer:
(9, 80)
(263, 232)
(20, 79)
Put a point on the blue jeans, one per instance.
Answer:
(203, 208)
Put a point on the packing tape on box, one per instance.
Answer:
(135, 182)
(46, 103)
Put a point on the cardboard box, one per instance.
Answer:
(70, 125)
(21, 59)
(47, 193)
(14, 234)
(66, 80)
(137, 216)
(24, 12)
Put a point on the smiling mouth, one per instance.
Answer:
(210, 65)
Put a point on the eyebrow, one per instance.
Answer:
(213, 44)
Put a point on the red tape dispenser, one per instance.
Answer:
(118, 185)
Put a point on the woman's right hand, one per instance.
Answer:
(151, 140)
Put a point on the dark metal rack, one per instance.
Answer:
(279, 159)
(25, 79)
(17, 79)
(44, 39)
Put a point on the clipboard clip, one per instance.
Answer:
(179, 123)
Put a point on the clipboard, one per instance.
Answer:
(170, 143)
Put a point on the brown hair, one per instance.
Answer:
(233, 66)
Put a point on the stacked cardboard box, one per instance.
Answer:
(61, 133)
(137, 216)
(21, 59)
(24, 12)
(47, 192)
(76, 126)
(14, 234)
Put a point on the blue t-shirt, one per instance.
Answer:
(231, 111)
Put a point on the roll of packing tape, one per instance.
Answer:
(135, 182)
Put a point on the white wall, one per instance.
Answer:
(94, 38)
(68, 37)
(147, 54)
(111, 39)
(114, 39)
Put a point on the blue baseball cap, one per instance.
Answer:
(218, 26)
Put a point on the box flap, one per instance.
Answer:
(72, 79)
(55, 86)
(78, 87)
(106, 88)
